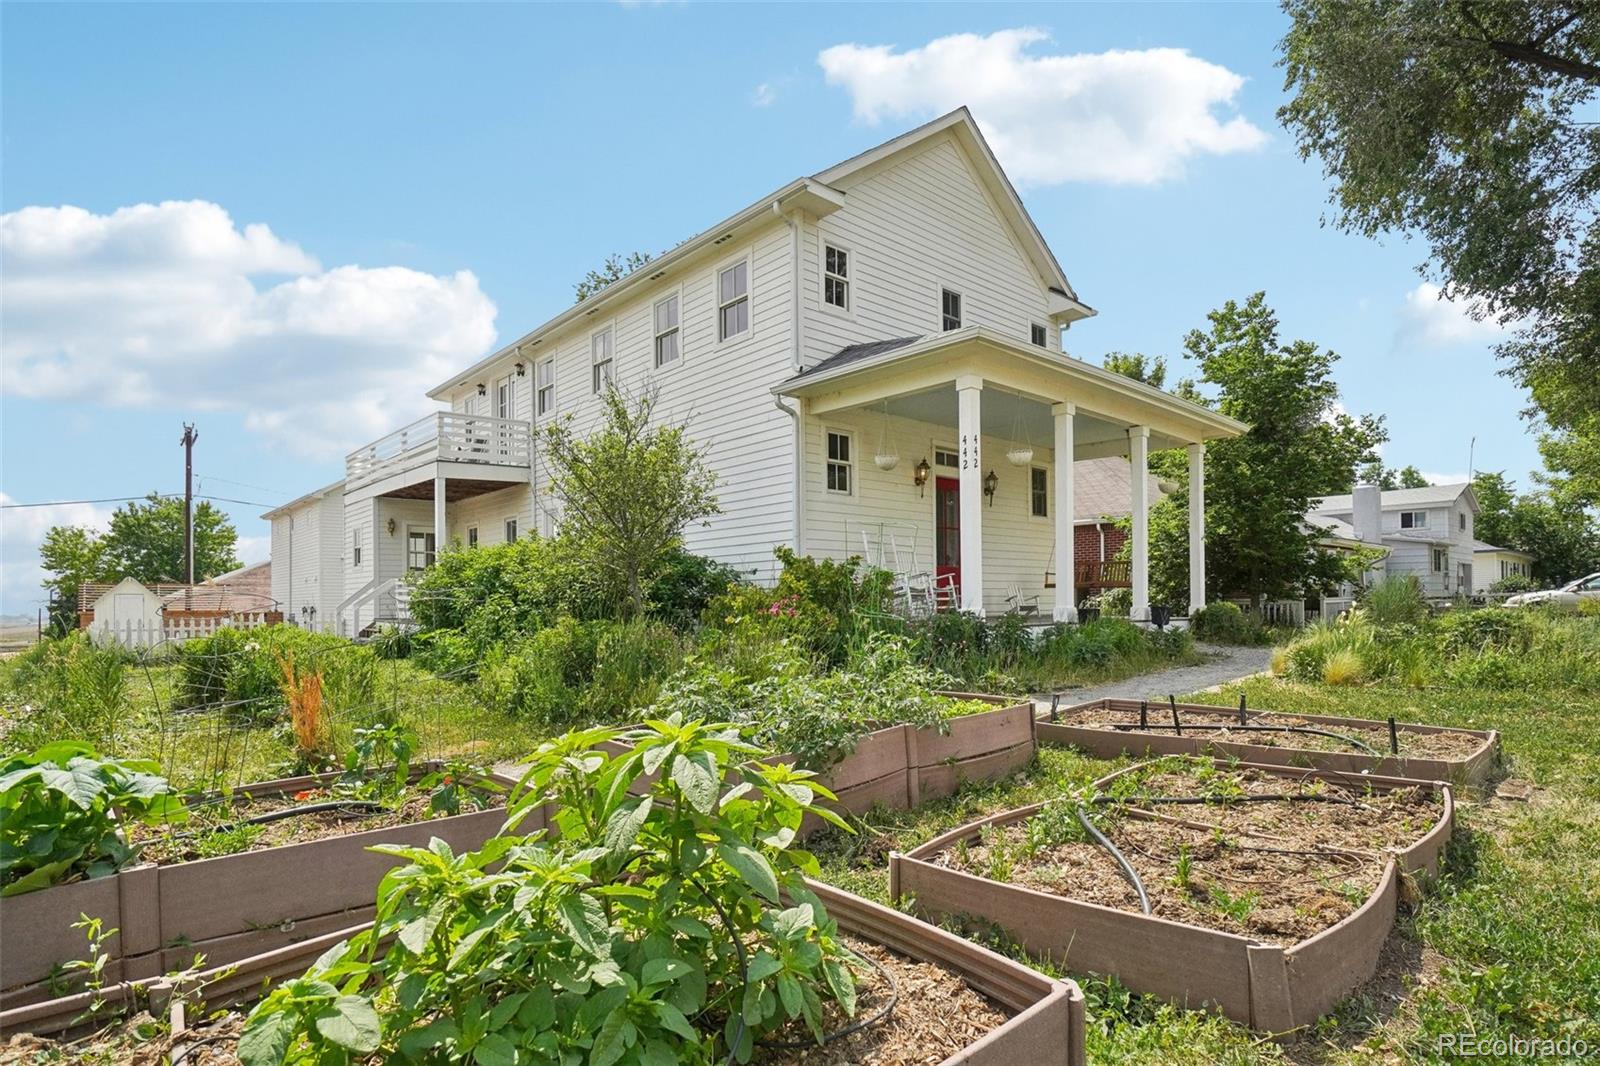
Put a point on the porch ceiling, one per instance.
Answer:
(1010, 416)
(455, 489)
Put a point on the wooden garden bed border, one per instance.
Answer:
(1472, 771)
(226, 908)
(1265, 986)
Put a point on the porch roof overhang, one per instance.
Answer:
(926, 364)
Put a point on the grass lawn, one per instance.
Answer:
(1508, 944)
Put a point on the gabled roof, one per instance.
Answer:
(1399, 499)
(314, 494)
(818, 196)
(1101, 489)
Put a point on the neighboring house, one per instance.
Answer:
(127, 613)
(144, 615)
(310, 557)
(1426, 532)
(872, 349)
(1491, 564)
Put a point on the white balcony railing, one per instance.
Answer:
(446, 437)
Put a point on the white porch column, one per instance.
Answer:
(969, 395)
(1139, 500)
(1197, 527)
(1066, 609)
(438, 515)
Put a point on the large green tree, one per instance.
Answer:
(615, 268)
(629, 489)
(144, 541)
(1258, 486)
(1564, 541)
(1472, 125)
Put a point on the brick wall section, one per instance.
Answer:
(1086, 541)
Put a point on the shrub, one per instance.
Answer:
(1395, 600)
(72, 687)
(1472, 632)
(581, 672)
(241, 669)
(1113, 603)
(445, 653)
(1342, 667)
(1224, 623)
(673, 927)
(684, 585)
(504, 592)
(1513, 583)
(834, 604)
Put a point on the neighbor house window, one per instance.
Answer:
(951, 307)
(600, 353)
(733, 301)
(1038, 493)
(355, 547)
(836, 277)
(1440, 560)
(1461, 519)
(1413, 519)
(472, 536)
(544, 376)
(840, 461)
(1039, 335)
(666, 331)
(511, 530)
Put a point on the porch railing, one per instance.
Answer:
(446, 436)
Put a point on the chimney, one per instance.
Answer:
(1366, 513)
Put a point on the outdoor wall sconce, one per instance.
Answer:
(991, 482)
(521, 370)
(483, 390)
(919, 477)
(391, 527)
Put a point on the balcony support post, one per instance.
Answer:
(438, 516)
(1066, 608)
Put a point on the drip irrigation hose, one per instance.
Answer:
(1264, 797)
(1128, 871)
(857, 1026)
(1126, 726)
(290, 812)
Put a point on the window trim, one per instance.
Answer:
(849, 277)
(355, 546)
(1441, 561)
(828, 461)
(961, 309)
(655, 337)
(609, 330)
(747, 257)
(539, 409)
(472, 536)
(1038, 494)
(950, 450)
(1414, 524)
(425, 530)
(509, 385)
(1044, 335)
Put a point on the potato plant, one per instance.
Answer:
(668, 927)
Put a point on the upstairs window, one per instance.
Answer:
(1413, 519)
(840, 462)
(511, 530)
(666, 316)
(472, 536)
(1039, 335)
(1462, 518)
(1038, 493)
(505, 399)
(836, 277)
(733, 301)
(355, 546)
(600, 352)
(544, 376)
(951, 308)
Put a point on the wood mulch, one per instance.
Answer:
(1445, 745)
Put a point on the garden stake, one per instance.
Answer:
(1242, 719)
(1144, 715)
(1055, 702)
(1175, 723)
(1394, 737)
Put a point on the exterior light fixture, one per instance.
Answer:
(919, 477)
(483, 390)
(391, 527)
(991, 482)
(521, 370)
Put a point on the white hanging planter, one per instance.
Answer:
(1019, 456)
(886, 460)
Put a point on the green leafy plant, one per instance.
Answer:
(62, 809)
(673, 926)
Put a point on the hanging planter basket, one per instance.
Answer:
(1019, 456)
(886, 460)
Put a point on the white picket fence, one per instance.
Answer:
(172, 629)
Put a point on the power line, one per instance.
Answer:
(136, 499)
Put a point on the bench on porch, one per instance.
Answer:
(1096, 574)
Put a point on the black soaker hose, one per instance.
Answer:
(1273, 797)
(294, 812)
(1127, 726)
(856, 1026)
(1128, 871)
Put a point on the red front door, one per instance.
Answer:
(947, 530)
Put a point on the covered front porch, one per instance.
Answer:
(938, 456)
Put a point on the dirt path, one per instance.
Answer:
(1223, 664)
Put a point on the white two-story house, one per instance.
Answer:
(1427, 532)
(872, 358)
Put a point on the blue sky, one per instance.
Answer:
(367, 196)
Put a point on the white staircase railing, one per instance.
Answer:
(386, 599)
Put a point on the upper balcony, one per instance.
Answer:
(471, 441)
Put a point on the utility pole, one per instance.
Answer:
(189, 437)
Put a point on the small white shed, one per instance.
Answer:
(128, 614)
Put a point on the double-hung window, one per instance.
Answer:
(1039, 335)
(355, 546)
(733, 300)
(544, 377)
(472, 536)
(1441, 560)
(950, 308)
(836, 277)
(511, 530)
(1413, 519)
(600, 352)
(419, 549)
(666, 331)
(504, 398)
(841, 462)
(1038, 493)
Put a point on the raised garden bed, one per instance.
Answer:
(229, 907)
(1109, 728)
(1267, 909)
(952, 998)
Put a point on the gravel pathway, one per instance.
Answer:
(1223, 664)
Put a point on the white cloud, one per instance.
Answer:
(763, 95)
(174, 305)
(253, 550)
(1429, 318)
(1454, 478)
(22, 530)
(1120, 117)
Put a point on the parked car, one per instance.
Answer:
(1569, 595)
